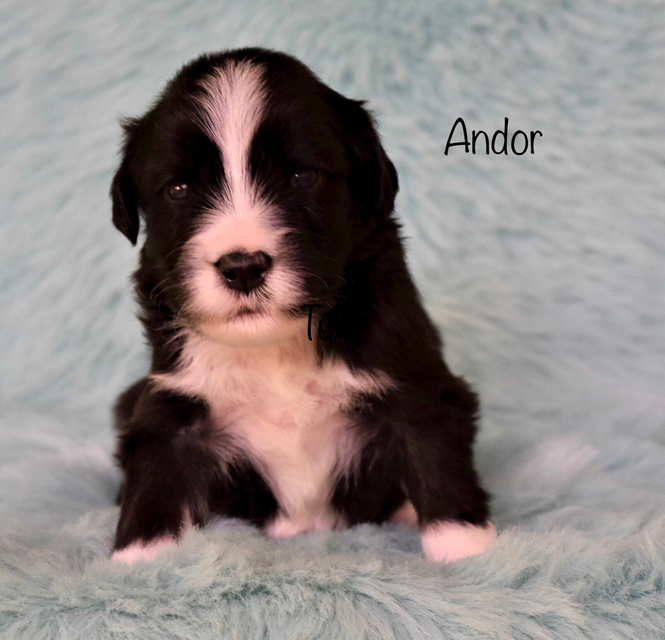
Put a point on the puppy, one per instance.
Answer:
(296, 380)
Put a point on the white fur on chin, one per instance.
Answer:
(449, 541)
(142, 550)
(260, 330)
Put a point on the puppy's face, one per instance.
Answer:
(256, 183)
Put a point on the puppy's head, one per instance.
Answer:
(255, 182)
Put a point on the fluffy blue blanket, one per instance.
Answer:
(545, 271)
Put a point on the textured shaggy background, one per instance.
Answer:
(546, 272)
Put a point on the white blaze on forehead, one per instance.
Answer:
(233, 103)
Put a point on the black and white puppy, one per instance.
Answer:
(296, 380)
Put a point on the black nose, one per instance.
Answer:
(244, 271)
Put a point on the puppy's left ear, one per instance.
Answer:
(123, 193)
(376, 176)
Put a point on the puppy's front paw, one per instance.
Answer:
(141, 550)
(406, 514)
(284, 527)
(447, 541)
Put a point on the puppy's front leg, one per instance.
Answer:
(441, 481)
(168, 471)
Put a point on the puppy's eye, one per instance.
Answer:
(178, 191)
(305, 178)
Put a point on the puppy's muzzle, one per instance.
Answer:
(244, 271)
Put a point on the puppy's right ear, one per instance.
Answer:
(123, 192)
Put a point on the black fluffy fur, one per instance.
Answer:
(419, 436)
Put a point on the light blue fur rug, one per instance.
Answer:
(546, 273)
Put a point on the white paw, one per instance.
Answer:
(284, 527)
(406, 514)
(142, 550)
(448, 541)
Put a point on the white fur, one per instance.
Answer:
(449, 541)
(284, 411)
(233, 102)
(142, 550)
(239, 220)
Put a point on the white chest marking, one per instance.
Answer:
(284, 412)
